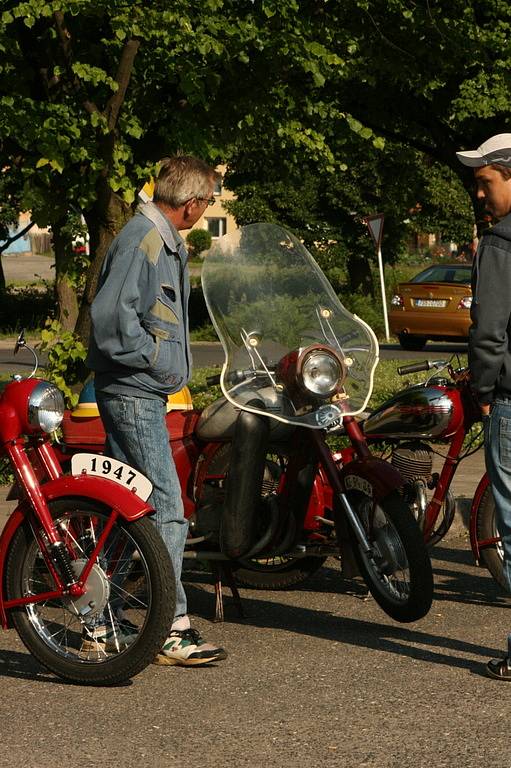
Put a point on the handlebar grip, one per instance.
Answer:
(425, 365)
(211, 381)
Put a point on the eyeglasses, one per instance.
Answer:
(208, 200)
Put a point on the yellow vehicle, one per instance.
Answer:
(435, 305)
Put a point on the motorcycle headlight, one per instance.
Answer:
(321, 373)
(45, 407)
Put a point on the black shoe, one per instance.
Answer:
(499, 669)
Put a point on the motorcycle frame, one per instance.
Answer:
(450, 465)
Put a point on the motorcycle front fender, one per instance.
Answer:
(372, 476)
(474, 515)
(126, 503)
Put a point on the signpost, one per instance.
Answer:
(375, 227)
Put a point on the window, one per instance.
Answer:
(216, 226)
(218, 187)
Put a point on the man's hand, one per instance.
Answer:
(485, 409)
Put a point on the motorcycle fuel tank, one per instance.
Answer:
(419, 411)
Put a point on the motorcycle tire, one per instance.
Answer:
(492, 557)
(132, 580)
(401, 580)
(277, 572)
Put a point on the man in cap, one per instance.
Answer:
(489, 349)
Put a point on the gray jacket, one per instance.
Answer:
(139, 342)
(489, 350)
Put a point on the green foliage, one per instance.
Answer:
(66, 355)
(370, 311)
(202, 393)
(26, 307)
(204, 332)
(198, 240)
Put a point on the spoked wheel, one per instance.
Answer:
(278, 572)
(398, 574)
(491, 554)
(117, 627)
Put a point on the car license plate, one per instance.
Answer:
(430, 303)
(102, 466)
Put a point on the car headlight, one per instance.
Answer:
(45, 407)
(320, 373)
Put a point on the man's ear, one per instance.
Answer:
(188, 207)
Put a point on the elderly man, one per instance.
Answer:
(140, 353)
(490, 337)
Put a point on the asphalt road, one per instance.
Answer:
(211, 354)
(315, 676)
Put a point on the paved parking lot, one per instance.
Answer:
(315, 676)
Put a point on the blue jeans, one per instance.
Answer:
(137, 434)
(497, 450)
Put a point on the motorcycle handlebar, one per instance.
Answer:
(235, 377)
(425, 365)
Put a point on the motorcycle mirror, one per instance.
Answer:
(20, 342)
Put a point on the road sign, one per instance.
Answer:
(375, 227)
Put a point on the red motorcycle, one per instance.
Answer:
(440, 411)
(79, 560)
(261, 488)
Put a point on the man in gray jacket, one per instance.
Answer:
(139, 351)
(490, 337)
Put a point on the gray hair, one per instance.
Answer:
(182, 178)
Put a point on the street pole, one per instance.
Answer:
(375, 227)
(383, 296)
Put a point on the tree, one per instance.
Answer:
(430, 76)
(92, 93)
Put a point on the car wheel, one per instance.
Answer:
(412, 343)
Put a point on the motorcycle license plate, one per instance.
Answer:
(123, 474)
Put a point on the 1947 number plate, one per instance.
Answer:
(101, 466)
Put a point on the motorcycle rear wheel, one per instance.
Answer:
(400, 577)
(134, 574)
(492, 557)
(278, 572)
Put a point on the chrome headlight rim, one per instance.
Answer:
(321, 372)
(45, 408)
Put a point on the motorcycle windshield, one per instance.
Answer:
(292, 351)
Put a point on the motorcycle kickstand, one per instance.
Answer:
(224, 571)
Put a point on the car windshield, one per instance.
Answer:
(444, 273)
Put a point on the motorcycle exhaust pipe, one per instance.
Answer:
(238, 530)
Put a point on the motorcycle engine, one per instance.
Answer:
(413, 460)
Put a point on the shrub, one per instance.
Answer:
(198, 240)
(26, 307)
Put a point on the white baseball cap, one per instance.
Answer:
(495, 150)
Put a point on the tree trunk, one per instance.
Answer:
(104, 221)
(65, 291)
(2, 276)
(359, 274)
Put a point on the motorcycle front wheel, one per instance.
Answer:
(491, 555)
(398, 573)
(115, 630)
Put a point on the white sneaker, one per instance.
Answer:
(186, 648)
